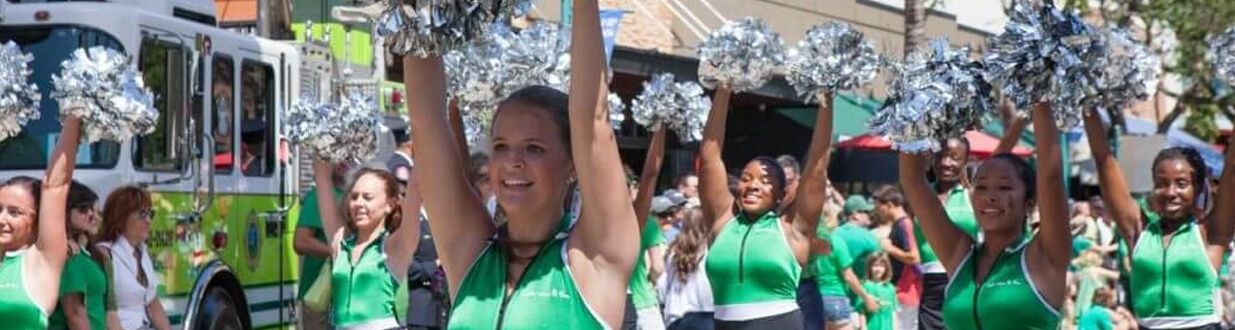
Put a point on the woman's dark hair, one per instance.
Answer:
(690, 246)
(943, 144)
(34, 186)
(391, 187)
(889, 194)
(777, 173)
(80, 195)
(1024, 172)
(121, 203)
(546, 98)
(1200, 172)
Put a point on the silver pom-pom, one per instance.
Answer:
(1046, 55)
(100, 87)
(424, 28)
(936, 94)
(538, 55)
(476, 74)
(657, 102)
(19, 99)
(1221, 54)
(342, 132)
(831, 57)
(489, 69)
(617, 110)
(1130, 73)
(679, 106)
(694, 108)
(742, 55)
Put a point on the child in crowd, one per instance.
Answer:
(878, 284)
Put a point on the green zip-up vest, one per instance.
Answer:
(1007, 299)
(363, 292)
(1173, 285)
(545, 297)
(750, 261)
(83, 276)
(16, 309)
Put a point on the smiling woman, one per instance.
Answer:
(756, 260)
(581, 270)
(1177, 249)
(33, 240)
(1010, 279)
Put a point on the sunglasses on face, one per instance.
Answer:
(84, 208)
(145, 214)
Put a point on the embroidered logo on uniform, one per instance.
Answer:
(546, 294)
(1011, 282)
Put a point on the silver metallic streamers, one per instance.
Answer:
(345, 131)
(1130, 73)
(433, 27)
(694, 108)
(680, 106)
(742, 55)
(487, 70)
(19, 99)
(1221, 54)
(100, 87)
(617, 110)
(831, 57)
(538, 55)
(1046, 55)
(476, 74)
(937, 93)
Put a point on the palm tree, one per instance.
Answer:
(915, 24)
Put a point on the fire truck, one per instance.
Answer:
(225, 188)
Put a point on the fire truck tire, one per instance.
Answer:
(218, 312)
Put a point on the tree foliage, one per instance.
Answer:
(1189, 23)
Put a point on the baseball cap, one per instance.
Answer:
(670, 199)
(857, 203)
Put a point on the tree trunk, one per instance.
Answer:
(915, 24)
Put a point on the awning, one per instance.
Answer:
(849, 115)
(981, 145)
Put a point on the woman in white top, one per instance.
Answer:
(683, 287)
(126, 226)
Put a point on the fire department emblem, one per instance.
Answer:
(252, 241)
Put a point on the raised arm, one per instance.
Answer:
(813, 189)
(1115, 192)
(1221, 225)
(456, 215)
(52, 244)
(456, 126)
(51, 250)
(607, 231)
(1054, 237)
(405, 239)
(714, 195)
(327, 206)
(1011, 135)
(950, 243)
(606, 240)
(647, 180)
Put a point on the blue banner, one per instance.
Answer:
(610, 23)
